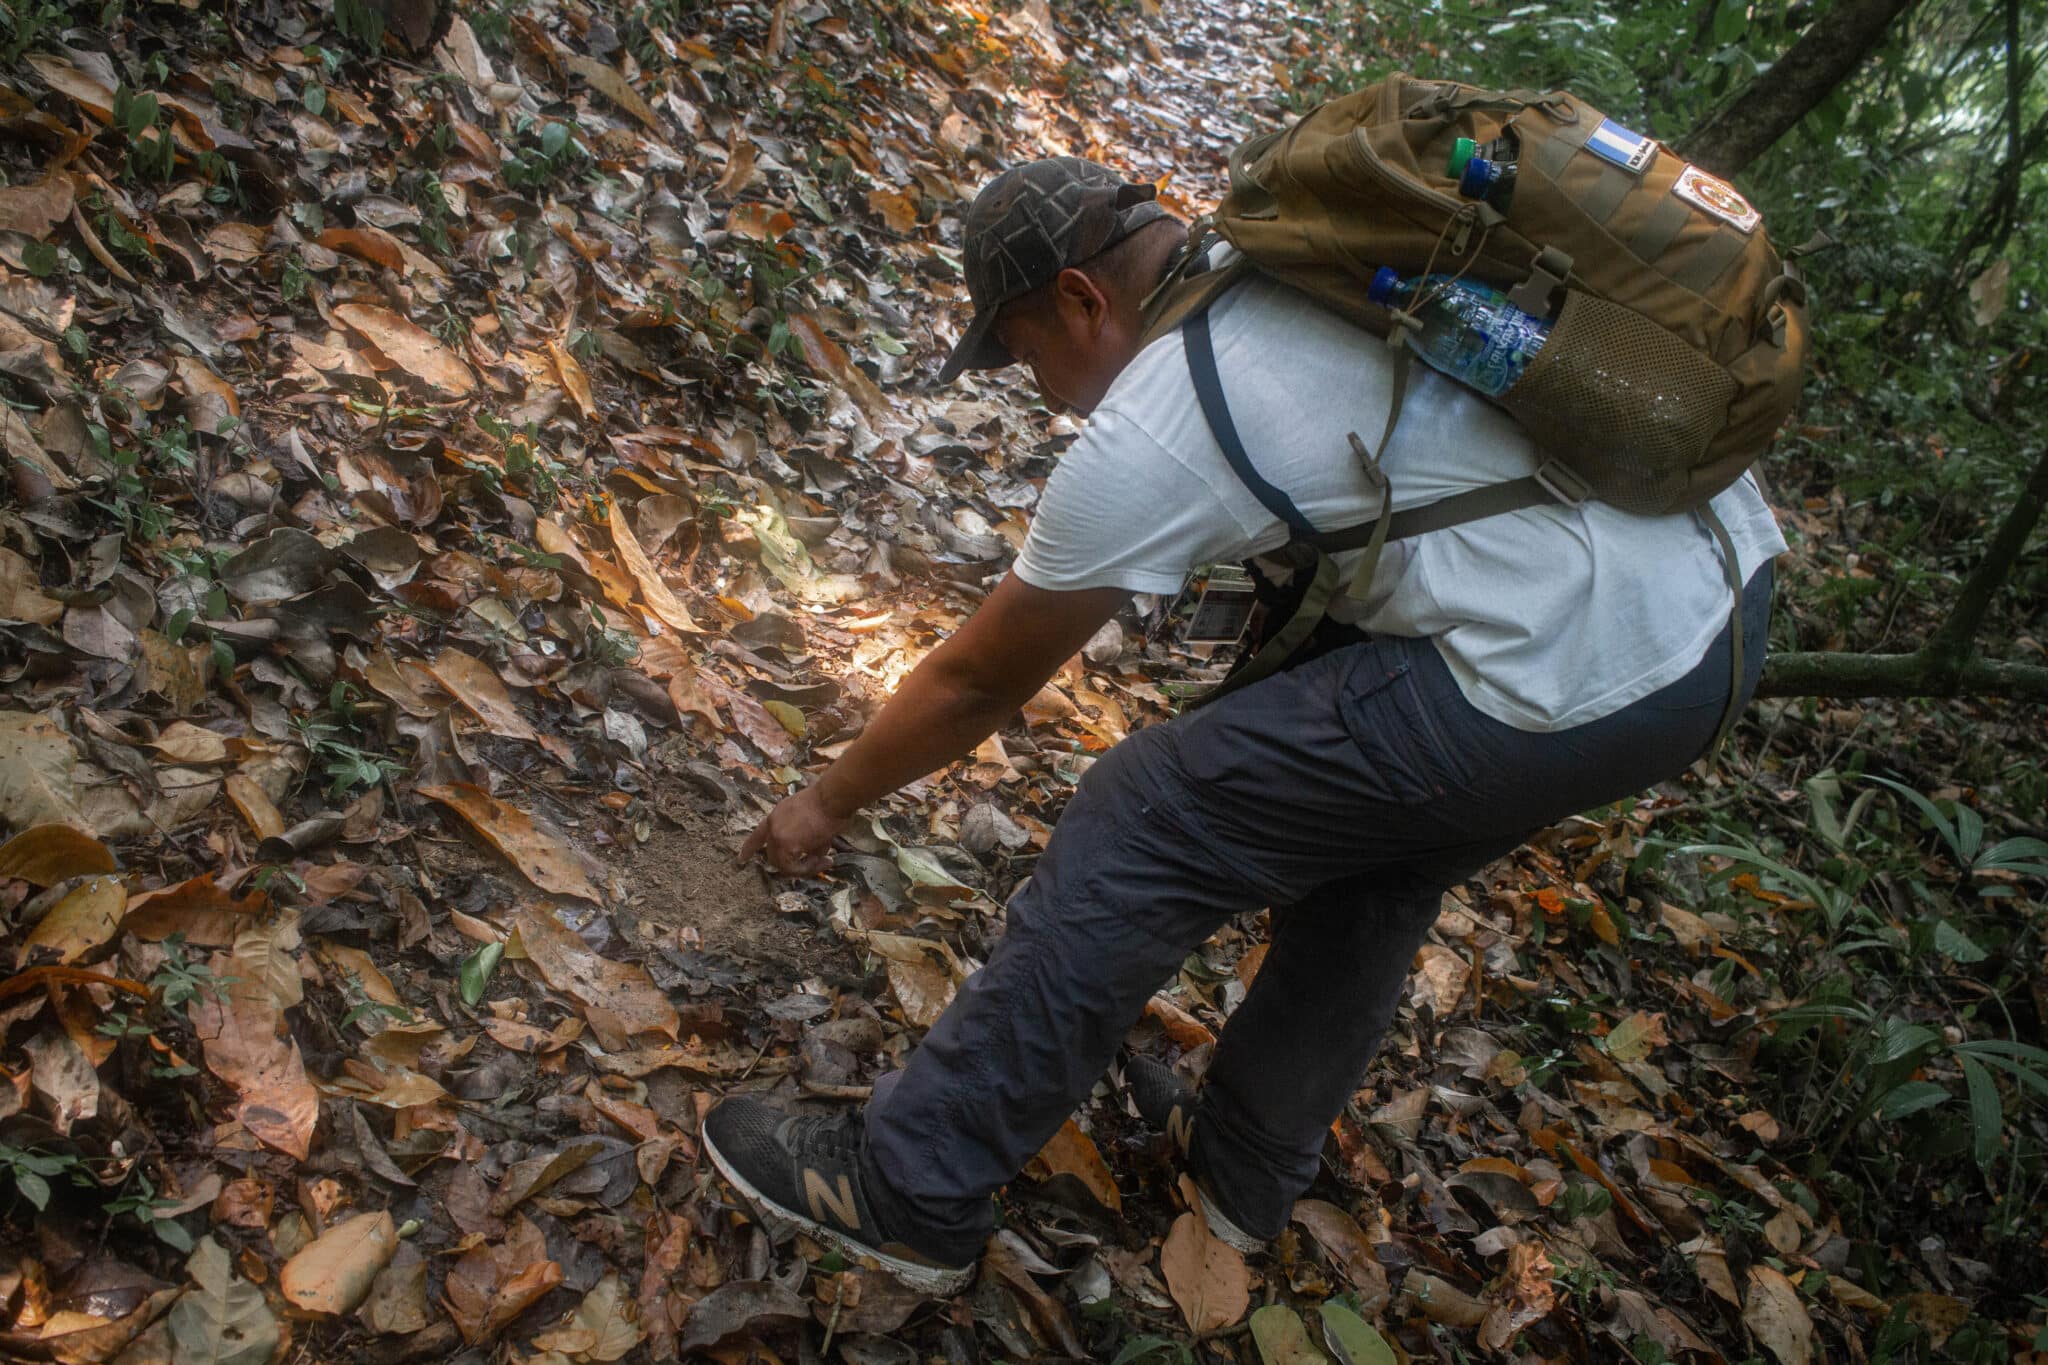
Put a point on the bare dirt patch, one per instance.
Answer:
(687, 879)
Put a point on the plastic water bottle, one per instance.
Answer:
(1493, 181)
(1469, 330)
(1504, 149)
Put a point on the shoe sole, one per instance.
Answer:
(936, 1281)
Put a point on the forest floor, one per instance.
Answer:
(452, 494)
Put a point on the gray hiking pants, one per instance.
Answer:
(1348, 793)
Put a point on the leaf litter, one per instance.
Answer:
(496, 456)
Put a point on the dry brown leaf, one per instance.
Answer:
(37, 207)
(540, 857)
(1441, 975)
(411, 348)
(20, 595)
(653, 591)
(1780, 1320)
(1523, 1295)
(1206, 1276)
(258, 811)
(183, 742)
(84, 919)
(48, 854)
(335, 1273)
(36, 765)
(494, 1283)
(241, 1031)
(198, 909)
(482, 693)
(1185, 1030)
(619, 999)
(1072, 1152)
(574, 381)
(1344, 1242)
(604, 1327)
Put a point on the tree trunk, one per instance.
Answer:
(1772, 104)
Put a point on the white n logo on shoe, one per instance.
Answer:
(822, 1198)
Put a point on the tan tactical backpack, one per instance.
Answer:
(1678, 336)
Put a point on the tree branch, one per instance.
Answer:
(1771, 105)
(1897, 675)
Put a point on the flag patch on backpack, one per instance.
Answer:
(1631, 151)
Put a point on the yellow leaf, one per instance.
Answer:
(334, 1273)
(80, 922)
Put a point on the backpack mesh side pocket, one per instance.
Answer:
(1626, 405)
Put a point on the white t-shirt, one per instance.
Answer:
(1548, 618)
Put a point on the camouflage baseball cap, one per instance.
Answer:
(1025, 227)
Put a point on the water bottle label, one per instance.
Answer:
(1717, 197)
(1505, 350)
(1629, 150)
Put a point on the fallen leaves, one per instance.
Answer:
(494, 1283)
(1071, 1152)
(540, 857)
(335, 1272)
(619, 999)
(412, 349)
(1207, 1277)
(1774, 1312)
(84, 919)
(241, 1029)
(49, 854)
(224, 1321)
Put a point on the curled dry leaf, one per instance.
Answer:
(411, 348)
(653, 591)
(48, 854)
(1779, 1318)
(1524, 1295)
(1344, 1242)
(495, 1282)
(540, 857)
(619, 999)
(474, 684)
(1072, 1152)
(1205, 1275)
(241, 1032)
(84, 919)
(335, 1272)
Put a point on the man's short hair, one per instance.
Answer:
(1129, 266)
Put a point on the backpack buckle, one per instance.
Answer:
(1563, 483)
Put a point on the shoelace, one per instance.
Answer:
(829, 1137)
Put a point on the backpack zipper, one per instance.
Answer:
(1462, 212)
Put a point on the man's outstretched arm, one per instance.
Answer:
(952, 701)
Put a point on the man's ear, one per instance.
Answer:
(1082, 301)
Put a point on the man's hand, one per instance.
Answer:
(951, 702)
(797, 835)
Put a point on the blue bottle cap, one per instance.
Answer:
(1385, 281)
(1477, 178)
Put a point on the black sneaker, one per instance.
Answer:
(805, 1172)
(1167, 1102)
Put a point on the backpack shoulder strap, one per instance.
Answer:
(1209, 393)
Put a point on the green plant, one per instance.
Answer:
(359, 24)
(551, 151)
(26, 23)
(151, 1210)
(151, 152)
(612, 648)
(32, 1169)
(292, 280)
